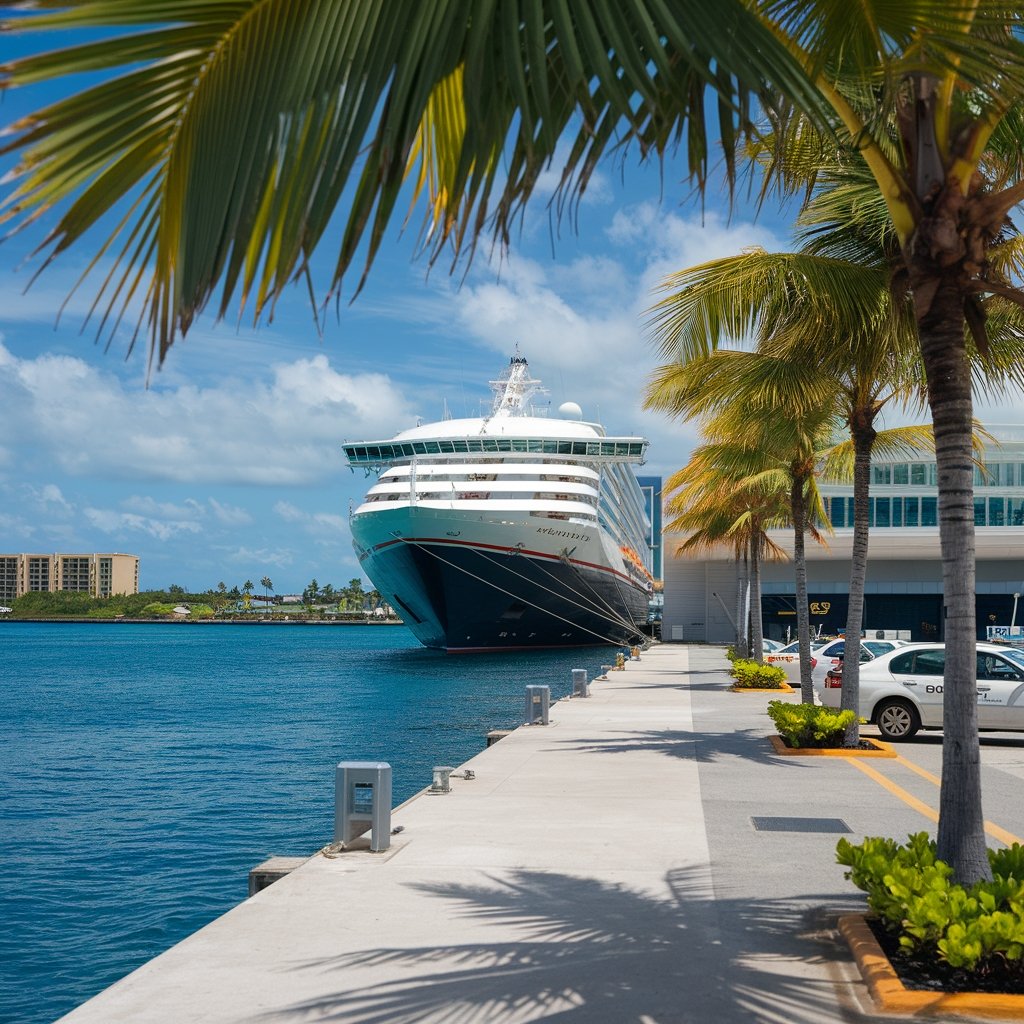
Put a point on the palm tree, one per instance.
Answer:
(845, 344)
(310, 98)
(708, 501)
(267, 586)
(744, 401)
(247, 588)
(329, 104)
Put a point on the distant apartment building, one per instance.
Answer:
(100, 575)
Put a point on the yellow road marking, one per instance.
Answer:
(995, 831)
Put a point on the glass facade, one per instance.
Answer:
(374, 454)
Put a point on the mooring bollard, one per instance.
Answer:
(620, 660)
(635, 653)
(538, 701)
(579, 683)
(605, 669)
(362, 800)
(442, 777)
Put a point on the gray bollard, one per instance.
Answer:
(362, 800)
(605, 669)
(442, 776)
(579, 683)
(538, 701)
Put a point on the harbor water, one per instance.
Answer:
(145, 769)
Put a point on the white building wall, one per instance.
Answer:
(685, 615)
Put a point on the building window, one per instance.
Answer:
(929, 512)
(910, 511)
(881, 474)
(900, 473)
(882, 512)
(1015, 511)
(996, 512)
(979, 511)
(917, 473)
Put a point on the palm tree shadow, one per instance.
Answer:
(569, 947)
(705, 747)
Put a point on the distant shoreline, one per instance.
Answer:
(261, 621)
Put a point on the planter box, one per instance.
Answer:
(878, 749)
(784, 688)
(892, 996)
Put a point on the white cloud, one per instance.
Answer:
(328, 525)
(261, 558)
(112, 522)
(282, 429)
(229, 515)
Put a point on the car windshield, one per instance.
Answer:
(1014, 655)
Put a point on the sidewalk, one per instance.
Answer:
(603, 868)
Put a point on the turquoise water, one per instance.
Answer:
(144, 769)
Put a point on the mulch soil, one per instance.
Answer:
(930, 974)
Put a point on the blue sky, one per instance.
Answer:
(229, 465)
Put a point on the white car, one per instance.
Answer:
(767, 646)
(901, 691)
(830, 655)
(788, 659)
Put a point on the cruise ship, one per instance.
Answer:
(508, 531)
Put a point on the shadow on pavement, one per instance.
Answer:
(571, 948)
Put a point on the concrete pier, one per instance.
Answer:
(604, 868)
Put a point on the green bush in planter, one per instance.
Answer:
(807, 725)
(751, 674)
(912, 891)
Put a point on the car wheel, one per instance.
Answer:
(897, 719)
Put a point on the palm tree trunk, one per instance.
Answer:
(756, 625)
(742, 626)
(961, 835)
(798, 506)
(863, 440)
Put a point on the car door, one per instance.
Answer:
(1000, 692)
(920, 674)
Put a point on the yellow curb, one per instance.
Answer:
(891, 995)
(782, 688)
(881, 750)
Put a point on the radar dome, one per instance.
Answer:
(570, 411)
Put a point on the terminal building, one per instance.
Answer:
(904, 576)
(100, 575)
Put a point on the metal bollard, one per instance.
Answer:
(605, 669)
(538, 701)
(579, 683)
(620, 660)
(635, 653)
(442, 776)
(362, 800)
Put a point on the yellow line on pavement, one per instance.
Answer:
(995, 831)
(898, 791)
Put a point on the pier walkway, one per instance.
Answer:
(606, 868)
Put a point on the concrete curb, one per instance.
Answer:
(892, 996)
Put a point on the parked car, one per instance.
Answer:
(901, 691)
(831, 654)
(770, 646)
(788, 659)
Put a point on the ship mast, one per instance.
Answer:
(514, 388)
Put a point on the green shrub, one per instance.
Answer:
(730, 653)
(751, 674)
(807, 725)
(912, 892)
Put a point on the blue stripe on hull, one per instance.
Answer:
(461, 599)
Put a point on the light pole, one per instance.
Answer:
(1013, 617)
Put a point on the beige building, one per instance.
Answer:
(98, 574)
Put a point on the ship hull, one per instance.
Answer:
(465, 582)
